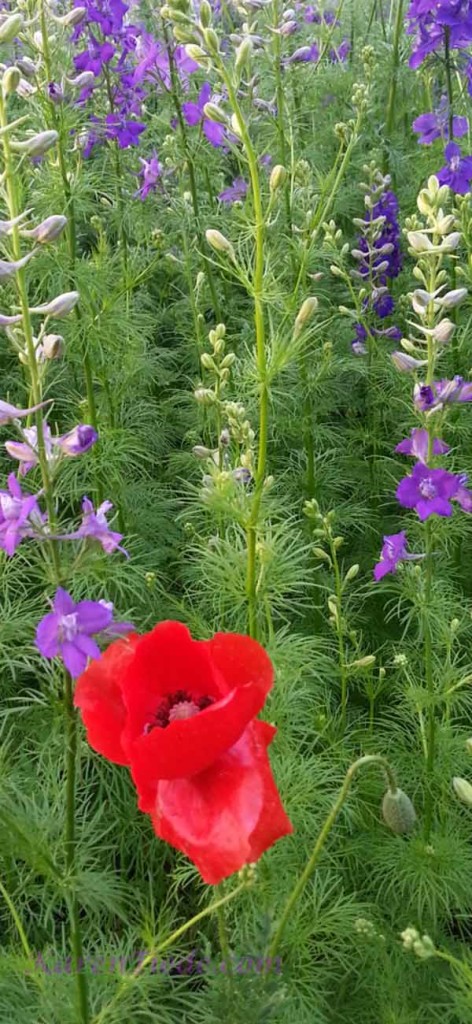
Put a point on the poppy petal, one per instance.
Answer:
(98, 696)
(189, 746)
(228, 815)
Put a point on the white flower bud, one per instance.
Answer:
(406, 363)
(10, 81)
(419, 242)
(278, 176)
(53, 346)
(214, 113)
(453, 298)
(398, 811)
(72, 18)
(306, 312)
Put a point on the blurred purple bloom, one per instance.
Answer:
(429, 491)
(153, 62)
(393, 551)
(217, 134)
(15, 511)
(457, 173)
(67, 631)
(94, 525)
(150, 173)
(26, 451)
(236, 192)
(427, 20)
(417, 445)
(78, 440)
(435, 126)
(427, 397)
(305, 55)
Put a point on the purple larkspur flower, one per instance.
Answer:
(457, 172)
(78, 440)
(217, 134)
(26, 451)
(436, 125)
(393, 551)
(95, 526)
(417, 445)
(67, 631)
(235, 192)
(305, 55)
(428, 397)
(16, 510)
(428, 20)
(428, 491)
(150, 174)
(153, 62)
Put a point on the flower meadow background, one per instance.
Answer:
(235, 276)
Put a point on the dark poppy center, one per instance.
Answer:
(177, 706)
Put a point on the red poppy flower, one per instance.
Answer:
(181, 714)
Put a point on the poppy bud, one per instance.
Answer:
(463, 790)
(37, 145)
(398, 811)
(277, 178)
(220, 243)
(58, 307)
(10, 27)
(10, 81)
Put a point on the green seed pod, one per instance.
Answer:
(398, 812)
(463, 790)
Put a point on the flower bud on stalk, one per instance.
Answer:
(53, 346)
(214, 113)
(37, 145)
(72, 18)
(8, 268)
(463, 790)
(10, 27)
(398, 811)
(306, 312)
(59, 307)
(220, 243)
(10, 81)
(278, 176)
(48, 230)
(243, 54)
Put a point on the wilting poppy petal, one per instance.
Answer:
(228, 815)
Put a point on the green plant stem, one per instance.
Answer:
(427, 633)
(392, 96)
(261, 358)
(70, 848)
(224, 943)
(130, 979)
(323, 836)
(340, 630)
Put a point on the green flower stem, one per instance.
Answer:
(323, 836)
(261, 357)
(224, 943)
(392, 96)
(338, 585)
(130, 979)
(58, 125)
(13, 203)
(70, 849)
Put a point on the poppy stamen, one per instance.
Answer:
(177, 705)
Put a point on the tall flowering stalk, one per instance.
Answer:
(429, 489)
